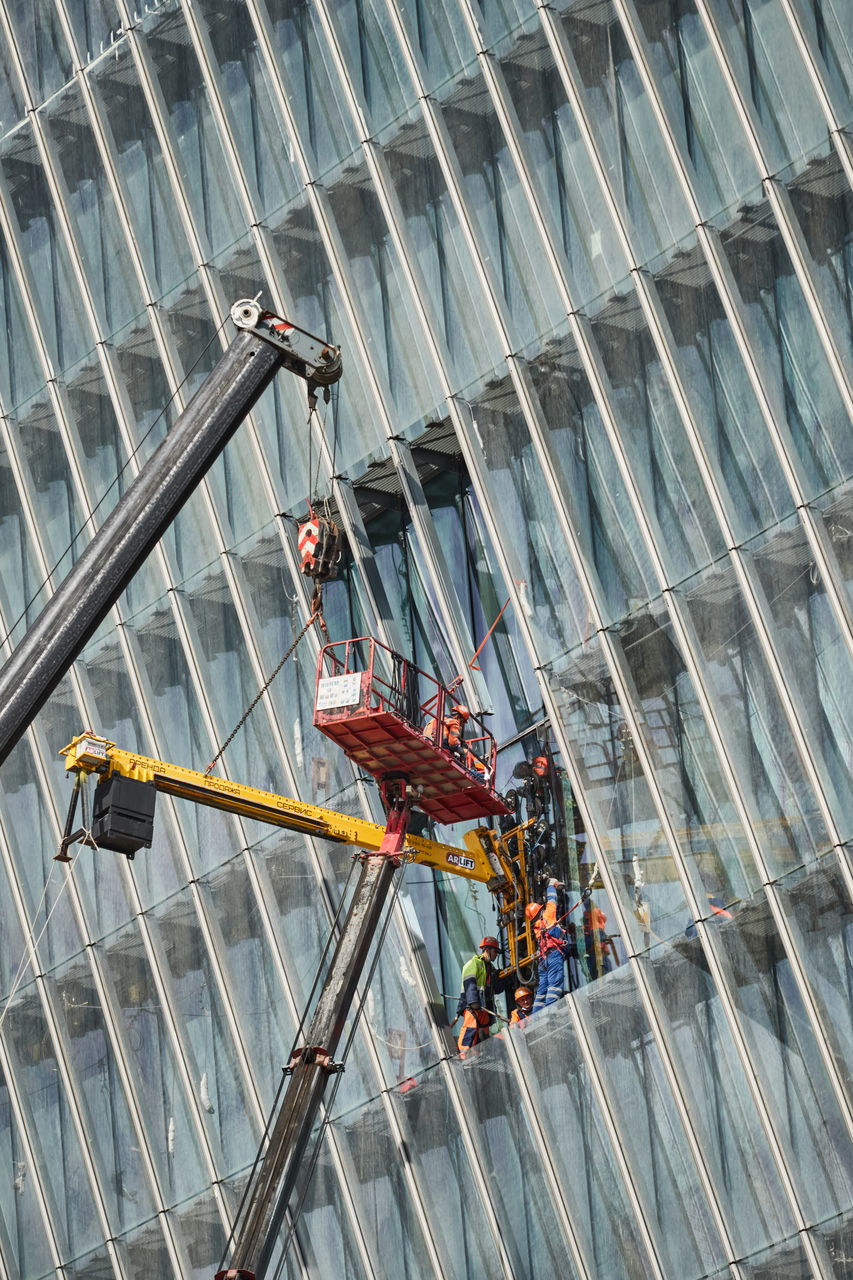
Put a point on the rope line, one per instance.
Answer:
(316, 616)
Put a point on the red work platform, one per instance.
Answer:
(393, 720)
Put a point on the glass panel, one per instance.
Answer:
(20, 372)
(698, 105)
(376, 66)
(326, 130)
(782, 1046)
(511, 1163)
(252, 980)
(89, 201)
(689, 774)
(324, 1232)
(171, 1134)
(197, 1003)
(264, 149)
(437, 29)
(578, 1145)
(146, 1252)
(656, 1148)
(786, 1261)
(730, 1133)
(436, 242)
(374, 1173)
(42, 46)
(761, 49)
(12, 107)
(95, 23)
(384, 304)
(788, 347)
(122, 1173)
(634, 152)
(206, 178)
(499, 210)
(21, 1215)
(615, 788)
(657, 449)
(350, 422)
(56, 296)
(49, 1123)
(723, 401)
(560, 165)
(837, 1238)
(816, 660)
(21, 579)
(199, 1230)
(819, 913)
(769, 770)
(141, 170)
(431, 1129)
(829, 23)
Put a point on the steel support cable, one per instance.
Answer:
(315, 616)
(90, 517)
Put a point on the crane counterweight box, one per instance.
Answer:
(123, 814)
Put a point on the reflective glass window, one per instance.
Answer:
(50, 1123)
(788, 347)
(498, 208)
(794, 1083)
(820, 915)
(172, 1137)
(21, 599)
(100, 242)
(748, 471)
(816, 657)
(141, 169)
(760, 45)
(829, 23)
(326, 129)
(95, 24)
(634, 152)
(49, 269)
(560, 165)
(721, 1106)
(207, 181)
(438, 31)
(264, 149)
(655, 442)
(578, 1144)
(385, 308)
(96, 1077)
(24, 1237)
(20, 372)
(11, 97)
(769, 770)
(42, 45)
(436, 242)
(660, 1160)
(377, 69)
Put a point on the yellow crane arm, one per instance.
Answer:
(89, 753)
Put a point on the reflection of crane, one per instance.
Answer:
(387, 716)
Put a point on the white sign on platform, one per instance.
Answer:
(339, 691)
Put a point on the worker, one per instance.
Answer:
(453, 728)
(480, 984)
(600, 957)
(552, 943)
(523, 1005)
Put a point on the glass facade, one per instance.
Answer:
(590, 265)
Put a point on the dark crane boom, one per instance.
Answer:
(80, 603)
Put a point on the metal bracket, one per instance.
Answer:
(313, 1054)
(311, 358)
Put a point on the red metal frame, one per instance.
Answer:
(370, 701)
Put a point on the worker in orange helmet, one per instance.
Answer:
(453, 728)
(523, 1005)
(480, 984)
(539, 765)
(552, 943)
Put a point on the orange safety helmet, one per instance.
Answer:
(523, 993)
(461, 711)
(490, 942)
(539, 765)
(532, 910)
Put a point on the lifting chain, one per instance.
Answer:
(315, 616)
